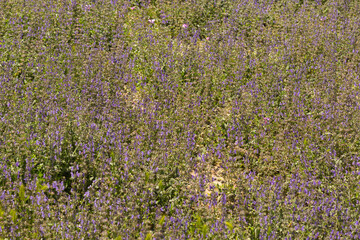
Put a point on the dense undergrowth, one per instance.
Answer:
(206, 119)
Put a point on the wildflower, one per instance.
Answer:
(132, 8)
(151, 20)
(266, 120)
(87, 7)
(184, 26)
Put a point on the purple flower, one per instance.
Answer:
(87, 7)
(185, 26)
(266, 120)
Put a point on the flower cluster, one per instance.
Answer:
(178, 120)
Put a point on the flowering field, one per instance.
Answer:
(206, 119)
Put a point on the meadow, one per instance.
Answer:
(182, 119)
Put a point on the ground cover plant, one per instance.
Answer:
(180, 119)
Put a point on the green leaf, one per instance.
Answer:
(148, 236)
(112, 155)
(160, 185)
(162, 220)
(305, 142)
(39, 186)
(1, 212)
(13, 214)
(22, 193)
(172, 207)
(204, 230)
(198, 221)
(147, 176)
(269, 231)
(229, 225)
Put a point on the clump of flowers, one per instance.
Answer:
(245, 127)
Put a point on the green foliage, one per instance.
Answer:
(139, 107)
(22, 197)
(14, 215)
(162, 220)
(199, 226)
